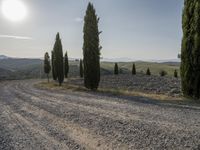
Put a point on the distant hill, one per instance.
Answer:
(15, 64)
(24, 68)
(3, 57)
(172, 63)
(126, 59)
(16, 68)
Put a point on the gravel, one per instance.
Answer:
(31, 118)
(140, 82)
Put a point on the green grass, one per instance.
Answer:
(155, 68)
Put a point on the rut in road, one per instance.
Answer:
(42, 119)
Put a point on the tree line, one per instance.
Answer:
(190, 52)
(58, 64)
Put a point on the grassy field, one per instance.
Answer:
(141, 67)
(155, 68)
(33, 68)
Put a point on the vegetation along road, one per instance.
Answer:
(44, 119)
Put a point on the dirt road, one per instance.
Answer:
(40, 119)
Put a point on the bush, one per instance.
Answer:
(175, 74)
(163, 73)
(148, 72)
(116, 70)
(133, 70)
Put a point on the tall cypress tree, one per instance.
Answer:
(190, 52)
(116, 69)
(58, 63)
(133, 69)
(66, 65)
(91, 49)
(47, 65)
(81, 68)
(52, 64)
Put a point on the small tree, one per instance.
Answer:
(133, 69)
(66, 65)
(47, 66)
(81, 68)
(53, 66)
(148, 72)
(175, 74)
(163, 73)
(116, 69)
(58, 63)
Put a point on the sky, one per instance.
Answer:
(136, 29)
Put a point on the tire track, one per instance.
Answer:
(94, 122)
(106, 110)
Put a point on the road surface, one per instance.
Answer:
(34, 119)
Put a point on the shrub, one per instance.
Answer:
(163, 73)
(116, 69)
(148, 72)
(175, 74)
(133, 70)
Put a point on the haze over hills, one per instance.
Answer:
(126, 59)
(121, 59)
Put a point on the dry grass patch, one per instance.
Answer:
(118, 92)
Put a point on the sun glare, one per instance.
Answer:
(14, 10)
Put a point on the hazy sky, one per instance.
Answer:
(138, 29)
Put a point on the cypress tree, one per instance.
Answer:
(52, 64)
(148, 72)
(81, 68)
(116, 69)
(175, 74)
(47, 66)
(91, 49)
(190, 51)
(133, 69)
(58, 63)
(66, 65)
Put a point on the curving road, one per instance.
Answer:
(40, 119)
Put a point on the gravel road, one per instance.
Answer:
(40, 119)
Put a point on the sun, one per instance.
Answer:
(14, 10)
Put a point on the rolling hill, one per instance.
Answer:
(23, 68)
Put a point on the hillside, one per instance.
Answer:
(21, 68)
(12, 68)
(142, 67)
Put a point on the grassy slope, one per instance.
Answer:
(30, 68)
(142, 67)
